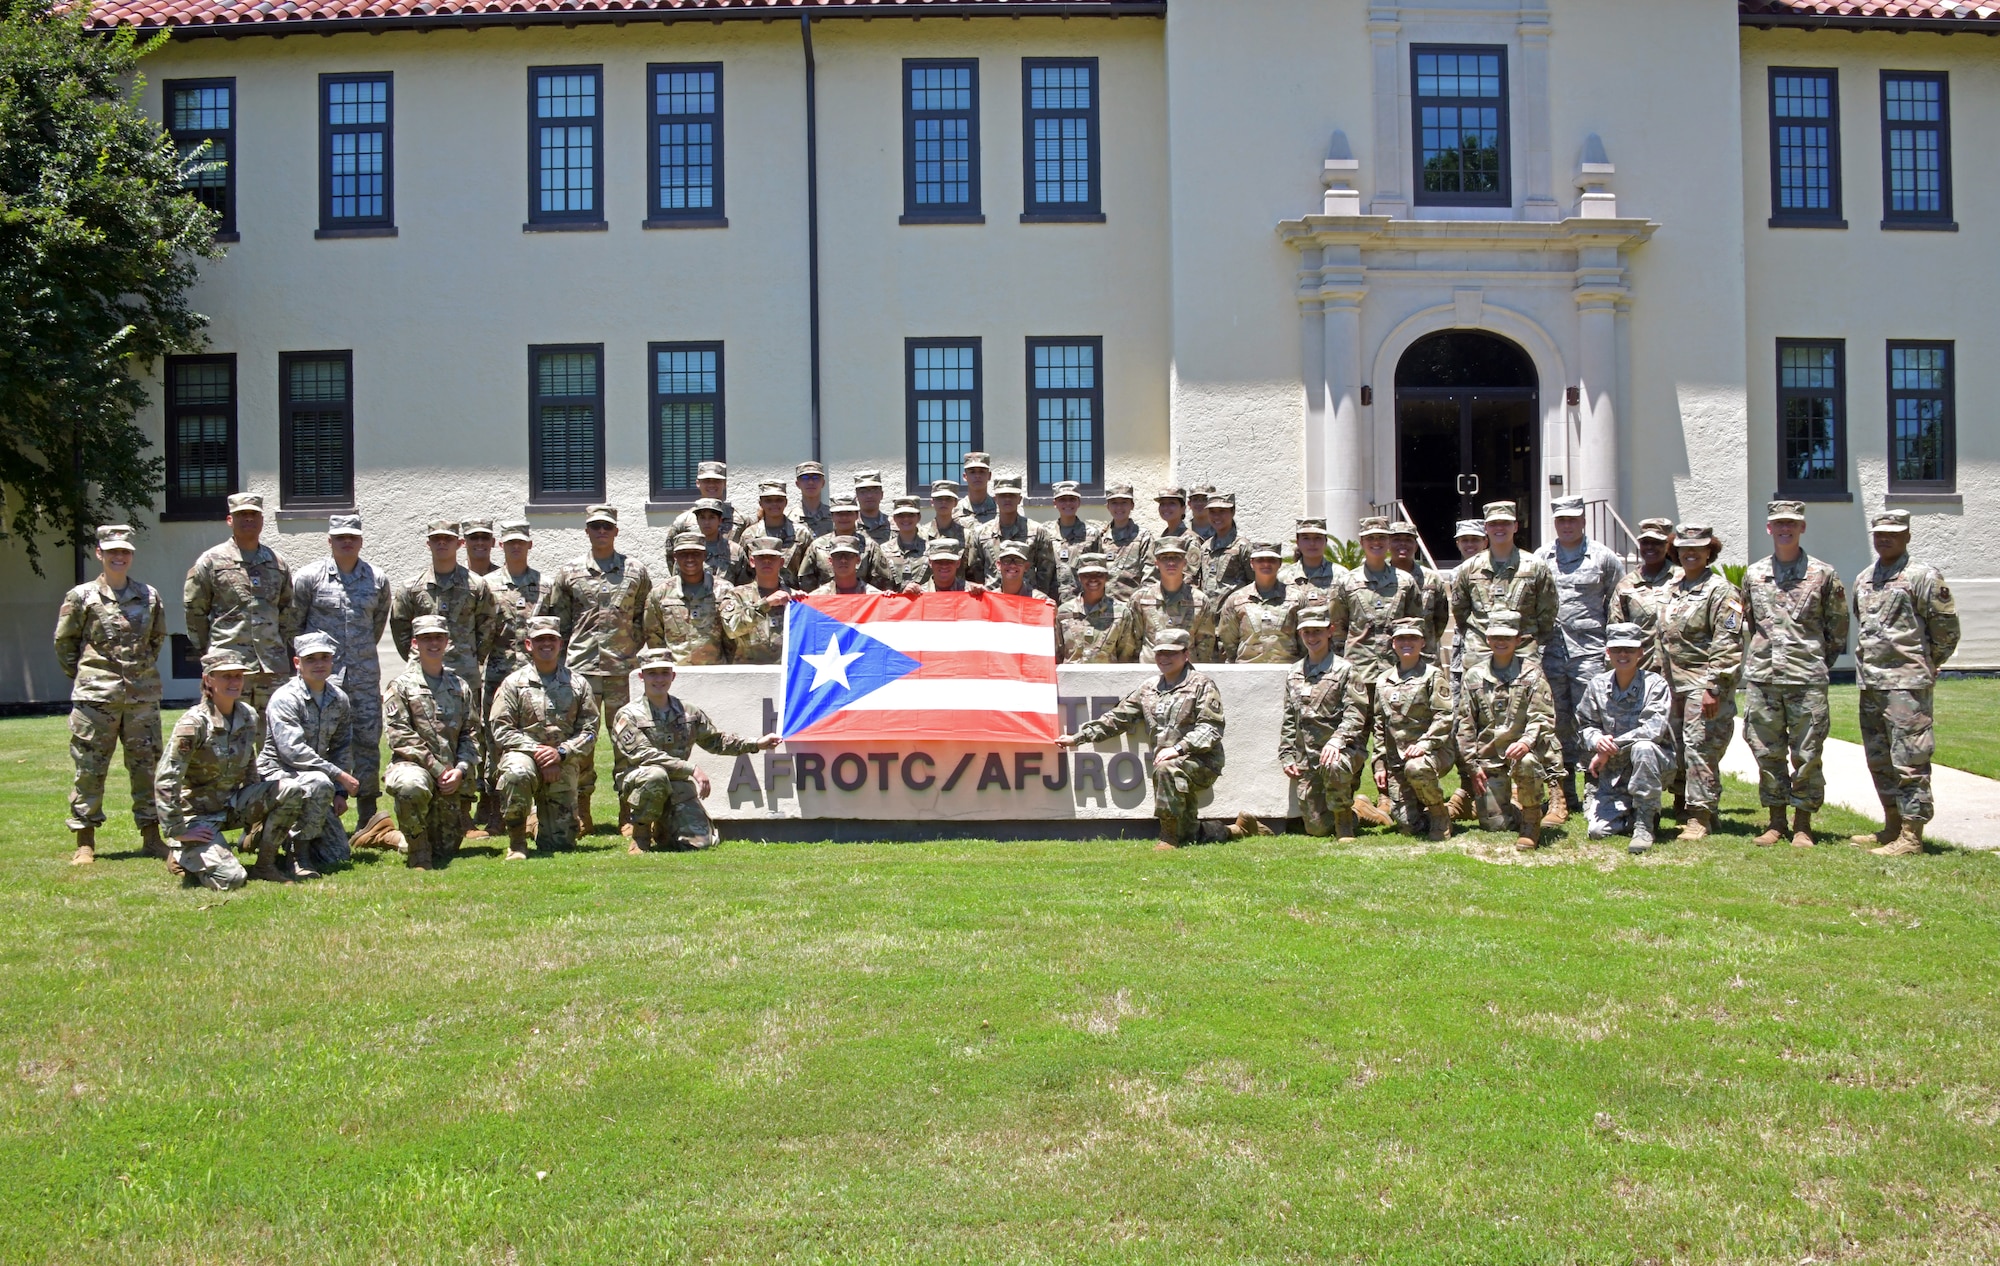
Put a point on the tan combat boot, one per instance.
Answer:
(1694, 825)
(1558, 812)
(375, 832)
(1170, 835)
(1802, 836)
(584, 823)
(517, 842)
(1366, 810)
(1251, 824)
(1531, 828)
(266, 868)
(1439, 822)
(1460, 806)
(419, 856)
(1775, 831)
(642, 837)
(1908, 842)
(150, 842)
(1345, 827)
(86, 847)
(1892, 827)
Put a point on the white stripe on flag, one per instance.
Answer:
(916, 636)
(958, 695)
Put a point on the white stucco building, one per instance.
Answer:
(1676, 256)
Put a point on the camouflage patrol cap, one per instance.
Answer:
(601, 514)
(1622, 634)
(1118, 492)
(443, 527)
(867, 479)
(712, 470)
(1171, 494)
(1785, 512)
(1309, 527)
(803, 469)
(1656, 529)
(1171, 640)
(1402, 527)
(1171, 546)
(689, 543)
(544, 626)
(772, 488)
(476, 527)
(1891, 521)
(976, 461)
(654, 658)
(428, 624)
(944, 547)
(1265, 549)
(843, 545)
(515, 530)
(1409, 626)
(1093, 565)
(343, 525)
(1201, 491)
(843, 503)
(1501, 512)
(1011, 549)
(1469, 527)
(906, 505)
(1222, 501)
(708, 505)
(1066, 488)
(1315, 617)
(221, 659)
(314, 643)
(1503, 624)
(1007, 486)
(115, 536)
(766, 547)
(1375, 525)
(246, 501)
(1694, 536)
(944, 488)
(1566, 508)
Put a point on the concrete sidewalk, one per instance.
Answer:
(1968, 806)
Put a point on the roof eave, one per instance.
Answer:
(1857, 22)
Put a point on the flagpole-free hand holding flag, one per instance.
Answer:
(936, 667)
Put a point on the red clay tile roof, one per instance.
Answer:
(242, 16)
(1903, 14)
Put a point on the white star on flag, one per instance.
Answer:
(830, 665)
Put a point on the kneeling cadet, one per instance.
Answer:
(1622, 725)
(1507, 731)
(656, 733)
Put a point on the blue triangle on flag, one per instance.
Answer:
(829, 664)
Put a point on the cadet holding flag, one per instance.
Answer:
(108, 638)
(1622, 720)
(753, 613)
(1323, 740)
(432, 719)
(657, 733)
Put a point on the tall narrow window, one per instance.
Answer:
(316, 429)
(565, 180)
(1923, 440)
(566, 423)
(686, 121)
(356, 168)
(1916, 151)
(687, 414)
(1812, 417)
(940, 141)
(943, 408)
(1805, 149)
(1461, 126)
(1059, 142)
(1066, 411)
(201, 435)
(201, 118)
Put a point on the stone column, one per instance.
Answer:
(1338, 478)
(1600, 288)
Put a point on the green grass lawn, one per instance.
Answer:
(1967, 722)
(1282, 1050)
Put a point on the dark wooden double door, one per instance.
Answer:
(1463, 439)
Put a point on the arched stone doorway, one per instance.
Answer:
(1467, 420)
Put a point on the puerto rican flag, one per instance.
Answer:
(917, 668)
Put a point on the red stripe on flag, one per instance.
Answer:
(983, 665)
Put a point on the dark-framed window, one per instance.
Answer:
(1916, 150)
(1805, 148)
(566, 422)
(1812, 417)
(945, 415)
(1923, 421)
(686, 415)
(684, 124)
(1460, 117)
(200, 435)
(940, 141)
(565, 135)
(1059, 142)
(315, 430)
(1066, 412)
(201, 119)
(356, 153)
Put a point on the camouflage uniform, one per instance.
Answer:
(1701, 642)
(687, 620)
(727, 561)
(601, 607)
(1909, 629)
(755, 632)
(1628, 788)
(433, 728)
(812, 565)
(208, 774)
(980, 515)
(1586, 580)
(1498, 707)
(530, 710)
(1521, 584)
(1638, 601)
(686, 521)
(353, 609)
(1152, 609)
(1032, 537)
(1796, 616)
(109, 643)
(1254, 627)
(1365, 609)
(1326, 712)
(308, 742)
(1071, 542)
(1185, 716)
(514, 600)
(1434, 604)
(816, 521)
(908, 563)
(972, 565)
(1414, 708)
(467, 605)
(1310, 584)
(786, 532)
(1228, 563)
(659, 779)
(1197, 554)
(1095, 633)
(1128, 551)
(242, 602)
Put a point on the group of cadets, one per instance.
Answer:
(1528, 674)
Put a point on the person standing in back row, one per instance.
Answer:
(347, 598)
(1909, 628)
(1586, 579)
(238, 597)
(1701, 644)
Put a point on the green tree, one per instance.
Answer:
(98, 246)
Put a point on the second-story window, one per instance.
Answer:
(201, 118)
(1059, 109)
(686, 119)
(1805, 149)
(940, 141)
(356, 177)
(565, 179)
(1916, 151)
(1460, 106)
